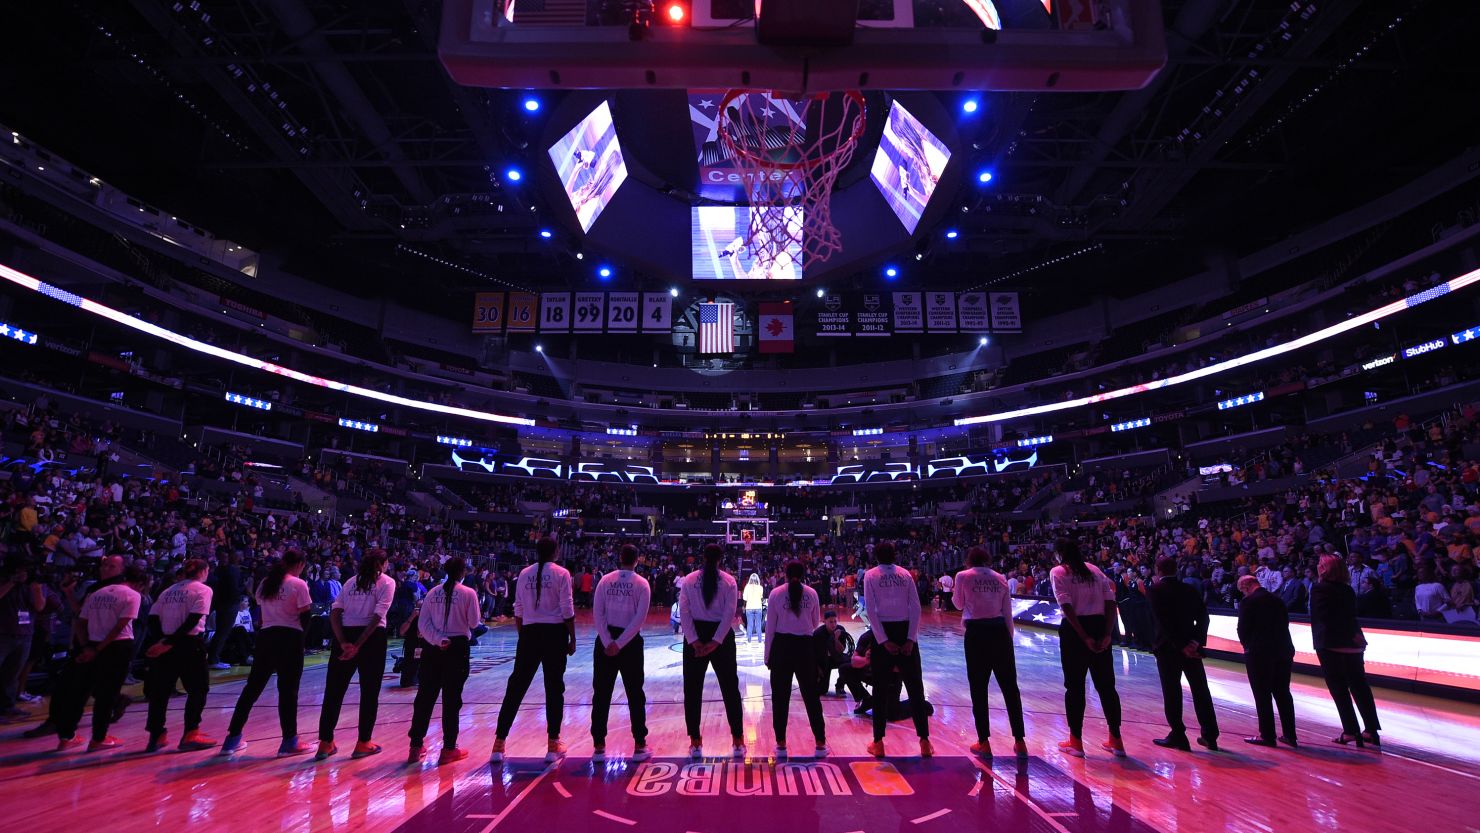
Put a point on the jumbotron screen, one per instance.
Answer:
(908, 165)
(722, 252)
(589, 162)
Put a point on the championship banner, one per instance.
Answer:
(909, 313)
(488, 312)
(940, 312)
(834, 319)
(621, 312)
(973, 309)
(873, 316)
(587, 316)
(555, 312)
(522, 306)
(777, 328)
(1006, 316)
(657, 312)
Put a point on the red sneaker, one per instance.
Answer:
(982, 749)
(451, 756)
(196, 740)
(1073, 747)
(1020, 748)
(876, 749)
(1115, 746)
(365, 749)
(108, 742)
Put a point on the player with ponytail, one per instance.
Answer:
(707, 600)
(545, 617)
(792, 615)
(449, 613)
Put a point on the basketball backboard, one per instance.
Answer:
(1062, 45)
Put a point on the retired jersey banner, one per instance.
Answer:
(657, 312)
(777, 328)
(522, 306)
(833, 317)
(621, 312)
(555, 312)
(909, 313)
(940, 312)
(973, 309)
(1006, 317)
(588, 314)
(488, 312)
(872, 316)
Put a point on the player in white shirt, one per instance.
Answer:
(893, 605)
(358, 620)
(104, 635)
(793, 613)
(1087, 599)
(180, 656)
(707, 600)
(545, 617)
(985, 602)
(620, 606)
(284, 598)
(449, 613)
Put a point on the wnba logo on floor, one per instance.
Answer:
(761, 778)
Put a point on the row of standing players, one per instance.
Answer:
(545, 619)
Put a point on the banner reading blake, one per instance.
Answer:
(833, 319)
(1005, 314)
(587, 315)
(873, 316)
(909, 313)
(621, 312)
(522, 306)
(488, 312)
(940, 312)
(777, 328)
(555, 312)
(657, 312)
(973, 307)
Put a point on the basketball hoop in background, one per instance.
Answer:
(788, 153)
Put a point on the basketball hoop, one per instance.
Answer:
(788, 153)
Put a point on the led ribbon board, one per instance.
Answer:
(88, 305)
(1307, 340)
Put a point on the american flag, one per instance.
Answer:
(716, 327)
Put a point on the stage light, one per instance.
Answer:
(531, 105)
(605, 272)
(539, 348)
(952, 234)
(580, 255)
(984, 177)
(673, 291)
(981, 342)
(546, 233)
(513, 174)
(970, 105)
(821, 292)
(675, 13)
(891, 272)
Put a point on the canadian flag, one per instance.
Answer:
(777, 327)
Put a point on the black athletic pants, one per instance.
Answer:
(369, 663)
(101, 679)
(1172, 665)
(989, 651)
(1077, 661)
(725, 672)
(892, 670)
(629, 663)
(792, 655)
(443, 673)
(1346, 679)
(185, 662)
(540, 646)
(279, 651)
(1269, 679)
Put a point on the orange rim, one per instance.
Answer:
(859, 124)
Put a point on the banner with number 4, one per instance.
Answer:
(657, 312)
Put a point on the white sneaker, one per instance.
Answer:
(780, 752)
(823, 751)
(696, 752)
(642, 753)
(737, 752)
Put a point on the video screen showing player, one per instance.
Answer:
(589, 162)
(908, 165)
(721, 252)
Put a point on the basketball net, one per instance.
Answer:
(787, 173)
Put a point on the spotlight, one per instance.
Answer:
(514, 175)
(891, 272)
(981, 342)
(675, 13)
(546, 233)
(673, 291)
(580, 255)
(952, 234)
(604, 272)
(539, 348)
(821, 292)
(970, 105)
(984, 177)
(531, 105)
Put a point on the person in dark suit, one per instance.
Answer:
(1293, 593)
(1181, 632)
(1339, 645)
(1269, 654)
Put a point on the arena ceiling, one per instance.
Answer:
(327, 136)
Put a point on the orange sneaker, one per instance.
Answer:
(926, 749)
(555, 751)
(365, 749)
(196, 740)
(1073, 747)
(1115, 746)
(326, 748)
(65, 744)
(876, 749)
(157, 742)
(415, 753)
(108, 742)
(451, 756)
(1020, 748)
(982, 749)
(497, 755)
